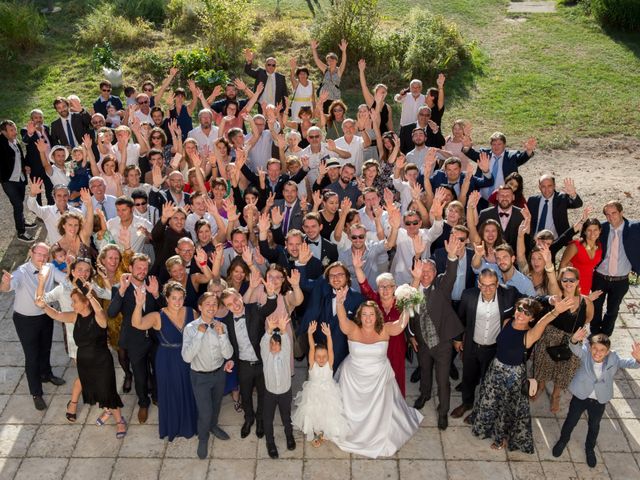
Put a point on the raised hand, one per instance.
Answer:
(570, 187)
(276, 216)
(41, 145)
(395, 217)
(437, 206)
(341, 295)
(358, 261)
(200, 256)
(313, 325)
(324, 327)
(35, 186)
(594, 295)
(416, 270)
(247, 255)
(294, 278)
(343, 45)
(85, 196)
(248, 55)
(483, 162)
(362, 65)
(269, 287)
(255, 279)
(419, 246)
(168, 211)
(416, 191)
(264, 223)
(31, 128)
(474, 198)
(579, 335)
(635, 351)
(304, 254)
(452, 245)
(140, 295)
(479, 249)
(440, 80)
(345, 206)
(530, 145)
(153, 287)
(565, 304)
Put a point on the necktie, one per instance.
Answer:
(427, 327)
(285, 223)
(72, 142)
(613, 256)
(494, 169)
(543, 216)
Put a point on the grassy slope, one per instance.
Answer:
(555, 76)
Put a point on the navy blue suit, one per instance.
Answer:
(439, 178)
(510, 160)
(561, 203)
(319, 308)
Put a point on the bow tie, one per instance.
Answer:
(237, 319)
(310, 242)
(504, 214)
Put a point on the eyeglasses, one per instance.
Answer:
(521, 309)
(338, 110)
(143, 102)
(385, 287)
(414, 223)
(487, 286)
(313, 137)
(106, 89)
(259, 124)
(569, 280)
(337, 275)
(271, 64)
(140, 204)
(357, 237)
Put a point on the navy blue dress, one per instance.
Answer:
(185, 122)
(177, 410)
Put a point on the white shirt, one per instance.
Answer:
(133, 154)
(203, 139)
(410, 107)
(260, 153)
(316, 158)
(369, 223)
(192, 219)
(58, 176)
(50, 215)
(405, 193)
(548, 224)
(504, 219)
(136, 238)
(246, 351)
(143, 117)
(356, 149)
(416, 156)
(276, 366)
(403, 259)
(597, 370)
(16, 174)
(487, 321)
(205, 351)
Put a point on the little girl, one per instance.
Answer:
(59, 257)
(319, 412)
(592, 387)
(113, 117)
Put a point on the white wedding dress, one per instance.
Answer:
(379, 418)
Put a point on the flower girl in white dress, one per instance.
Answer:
(319, 413)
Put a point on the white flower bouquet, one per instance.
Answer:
(408, 298)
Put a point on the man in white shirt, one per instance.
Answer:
(353, 144)
(411, 100)
(206, 134)
(50, 214)
(317, 151)
(199, 212)
(101, 201)
(260, 141)
(128, 230)
(143, 112)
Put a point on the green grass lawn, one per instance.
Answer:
(556, 76)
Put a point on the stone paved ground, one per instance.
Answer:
(43, 446)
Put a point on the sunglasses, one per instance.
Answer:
(142, 103)
(338, 110)
(140, 204)
(106, 89)
(357, 237)
(148, 90)
(521, 309)
(416, 222)
(569, 280)
(312, 137)
(271, 64)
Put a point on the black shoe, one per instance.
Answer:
(126, 385)
(291, 443)
(460, 409)
(272, 450)
(558, 448)
(591, 458)
(30, 224)
(459, 387)
(57, 381)
(415, 376)
(203, 449)
(219, 433)
(38, 402)
(25, 237)
(259, 429)
(246, 428)
(443, 421)
(453, 373)
(422, 399)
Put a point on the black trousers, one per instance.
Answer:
(594, 409)
(35, 334)
(475, 362)
(613, 292)
(141, 358)
(440, 357)
(208, 390)
(283, 402)
(15, 191)
(250, 377)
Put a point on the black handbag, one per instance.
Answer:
(562, 352)
(529, 386)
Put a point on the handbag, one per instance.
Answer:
(529, 386)
(562, 352)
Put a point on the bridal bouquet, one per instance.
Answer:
(408, 298)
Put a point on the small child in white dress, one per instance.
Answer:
(319, 412)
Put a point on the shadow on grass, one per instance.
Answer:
(631, 40)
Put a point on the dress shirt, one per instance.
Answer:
(351, 191)
(624, 265)
(460, 283)
(356, 149)
(276, 366)
(16, 174)
(50, 215)
(108, 206)
(495, 167)
(315, 158)
(245, 349)
(136, 238)
(504, 219)
(487, 321)
(410, 107)
(403, 259)
(370, 224)
(133, 154)
(261, 151)
(416, 156)
(205, 351)
(68, 127)
(597, 371)
(370, 257)
(192, 219)
(316, 250)
(25, 283)
(204, 141)
(269, 92)
(548, 224)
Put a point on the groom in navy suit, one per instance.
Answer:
(322, 304)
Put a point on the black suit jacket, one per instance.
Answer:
(260, 74)
(8, 159)
(561, 203)
(80, 124)
(510, 234)
(131, 338)
(279, 186)
(32, 158)
(468, 306)
(440, 257)
(255, 316)
(160, 197)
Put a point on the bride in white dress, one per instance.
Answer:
(379, 418)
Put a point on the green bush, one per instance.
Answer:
(356, 21)
(153, 64)
(103, 56)
(21, 28)
(151, 10)
(619, 14)
(190, 61)
(207, 80)
(281, 36)
(104, 23)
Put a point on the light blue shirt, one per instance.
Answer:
(24, 282)
(205, 351)
(372, 252)
(276, 366)
(519, 281)
(460, 283)
(624, 265)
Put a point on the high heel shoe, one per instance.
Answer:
(126, 385)
(104, 418)
(120, 435)
(71, 417)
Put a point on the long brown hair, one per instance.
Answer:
(379, 325)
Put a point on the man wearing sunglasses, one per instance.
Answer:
(105, 99)
(275, 84)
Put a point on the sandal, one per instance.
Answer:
(318, 440)
(72, 417)
(495, 446)
(104, 418)
(120, 435)
(237, 406)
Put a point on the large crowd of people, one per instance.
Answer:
(208, 256)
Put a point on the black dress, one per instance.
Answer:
(95, 364)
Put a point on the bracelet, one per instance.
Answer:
(549, 270)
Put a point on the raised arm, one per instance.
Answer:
(327, 333)
(319, 63)
(368, 97)
(535, 333)
(151, 320)
(346, 326)
(87, 225)
(343, 60)
(397, 327)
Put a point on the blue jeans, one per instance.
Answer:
(594, 409)
(15, 191)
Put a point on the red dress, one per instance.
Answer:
(397, 349)
(586, 265)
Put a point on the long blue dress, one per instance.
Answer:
(177, 410)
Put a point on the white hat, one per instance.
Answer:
(58, 147)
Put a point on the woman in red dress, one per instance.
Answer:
(385, 299)
(585, 254)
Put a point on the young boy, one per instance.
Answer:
(592, 387)
(275, 349)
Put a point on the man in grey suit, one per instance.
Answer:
(287, 212)
(434, 327)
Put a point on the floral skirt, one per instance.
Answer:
(544, 368)
(501, 411)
